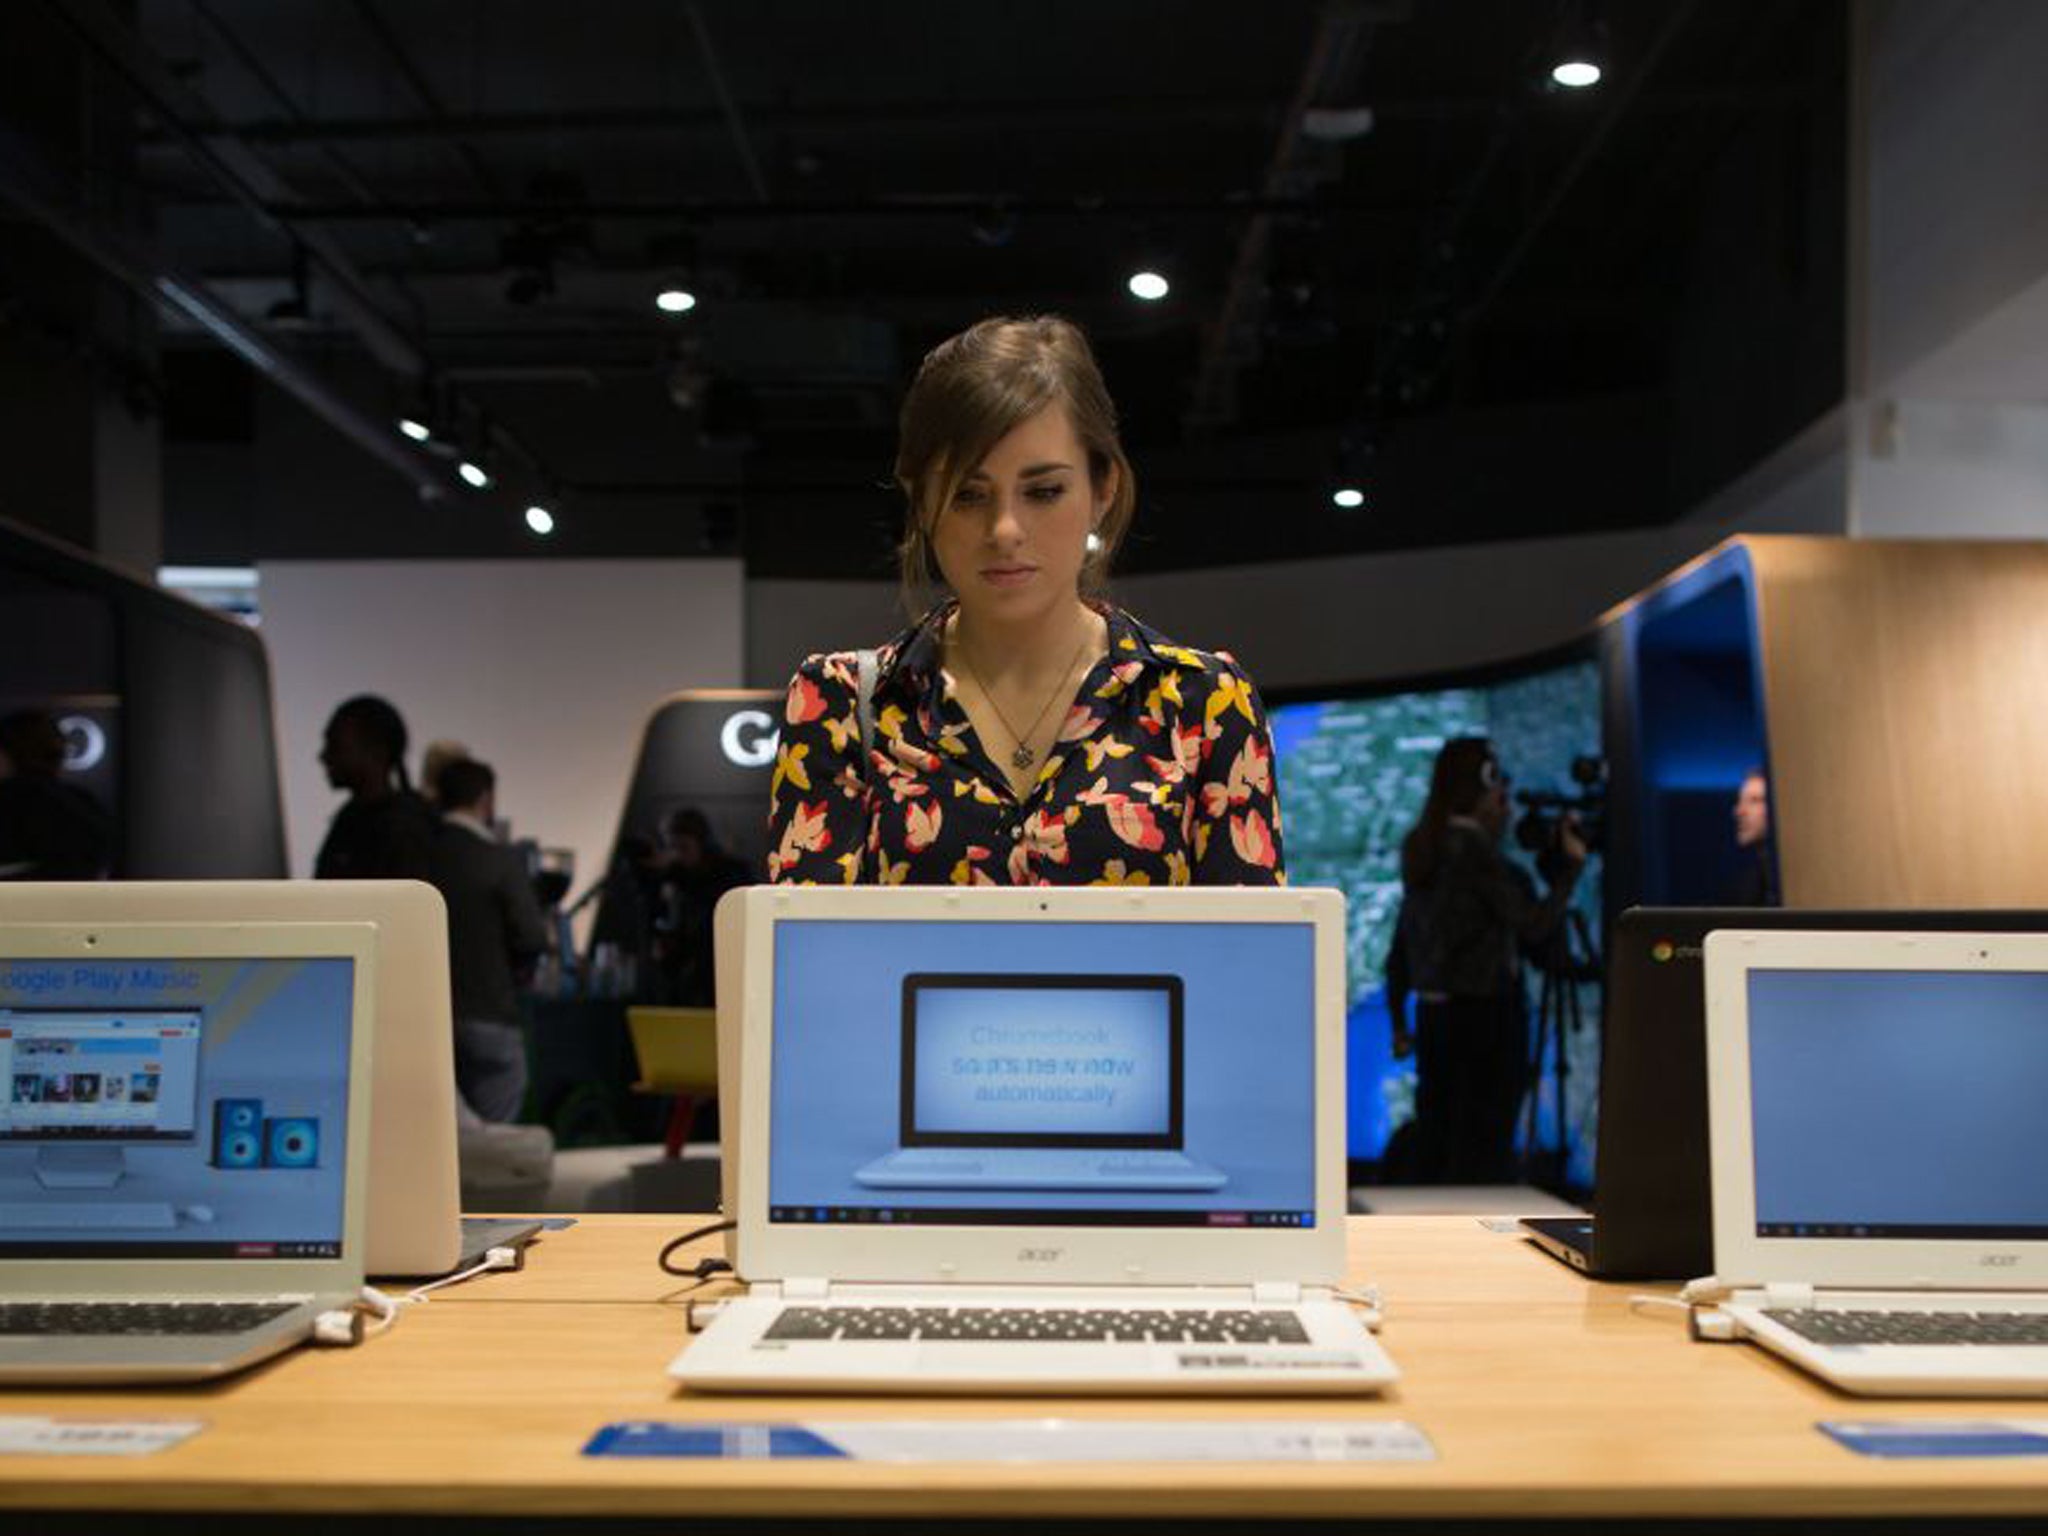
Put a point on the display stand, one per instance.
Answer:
(1895, 692)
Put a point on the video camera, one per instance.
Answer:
(1545, 810)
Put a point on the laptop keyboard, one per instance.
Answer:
(1039, 1325)
(153, 1215)
(1846, 1327)
(46, 1319)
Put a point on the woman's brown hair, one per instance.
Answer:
(1466, 771)
(970, 392)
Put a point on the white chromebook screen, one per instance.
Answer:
(1043, 1074)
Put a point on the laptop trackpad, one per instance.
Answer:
(983, 1360)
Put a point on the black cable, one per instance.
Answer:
(703, 1269)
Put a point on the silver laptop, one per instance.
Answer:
(1221, 1286)
(1880, 1154)
(183, 1143)
(414, 1223)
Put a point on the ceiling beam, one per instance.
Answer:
(33, 189)
(903, 206)
(423, 91)
(1229, 339)
(240, 174)
(728, 107)
(1160, 114)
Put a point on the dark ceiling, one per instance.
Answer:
(1501, 307)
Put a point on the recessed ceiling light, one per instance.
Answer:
(414, 428)
(540, 520)
(1149, 286)
(1348, 497)
(675, 301)
(1576, 74)
(473, 474)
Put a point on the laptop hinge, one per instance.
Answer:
(806, 1288)
(1788, 1295)
(1276, 1292)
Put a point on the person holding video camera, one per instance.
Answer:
(1469, 915)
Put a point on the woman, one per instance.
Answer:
(1468, 914)
(1023, 731)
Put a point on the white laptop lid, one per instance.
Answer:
(213, 1072)
(1048, 1027)
(1875, 1108)
(414, 1198)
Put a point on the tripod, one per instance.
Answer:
(1571, 963)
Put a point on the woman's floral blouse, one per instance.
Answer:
(1162, 775)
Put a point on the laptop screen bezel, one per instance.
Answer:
(912, 1134)
(765, 1250)
(121, 1276)
(1741, 1256)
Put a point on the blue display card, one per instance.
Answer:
(1907, 1438)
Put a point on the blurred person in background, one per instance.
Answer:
(495, 931)
(1469, 916)
(49, 829)
(691, 873)
(384, 831)
(438, 755)
(1756, 883)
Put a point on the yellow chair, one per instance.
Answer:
(677, 1051)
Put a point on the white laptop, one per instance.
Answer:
(1067, 1283)
(415, 1227)
(1880, 1154)
(183, 1143)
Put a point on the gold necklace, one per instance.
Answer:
(1023, 756)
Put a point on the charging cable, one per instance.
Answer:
(376, 1311)
(1707, 1322)
(700, 1314)
(1371, 1305)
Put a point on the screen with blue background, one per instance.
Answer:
(146, 1068)
(1899, 1100)
(1022, 1061)
(1353, 776)
(1249, 1054)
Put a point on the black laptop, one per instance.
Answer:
(1653, 1214)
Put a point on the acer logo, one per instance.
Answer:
(1999, 1260)
(1039, 1255)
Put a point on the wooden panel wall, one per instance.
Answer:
(1906, 693)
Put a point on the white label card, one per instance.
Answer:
(1248, 1441)
(33, 1435)
(1043, 1442)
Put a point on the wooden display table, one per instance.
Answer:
(1545, 1396)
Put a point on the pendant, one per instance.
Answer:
(1022, 757)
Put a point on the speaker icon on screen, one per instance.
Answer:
(238, 1133)
(291, 1141)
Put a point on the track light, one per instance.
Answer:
(1149, 286)
(1580, 49)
